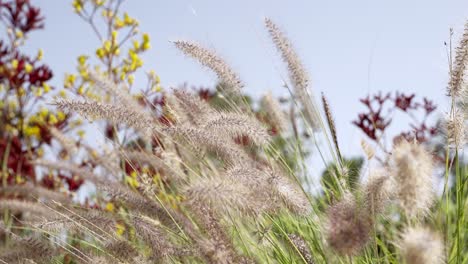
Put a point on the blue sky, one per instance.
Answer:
(350, 48)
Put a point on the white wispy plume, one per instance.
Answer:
(236, 125)
(229, 79)
(297, 74)
(193, 106)
(455, 129)
(457, 84)
(420, 245)
(412, 170)
(273, 108)
(202, 139)
(117, 114)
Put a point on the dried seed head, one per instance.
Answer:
(195, 108)
(229, 79)
(301, 245)
(297, 74)
(419, 245)
(368, 150)
(200, 139)
(116, 114)
(378, 191)
(412, 171)
(233, 125)
(276, 115)
(348, 226)
(457, 84)
(455, 128)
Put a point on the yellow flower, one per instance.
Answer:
(156, 88)
(107, 46)
(19, 179)
(131, 79)
(116, 51)
(38, 92)
(28, 68)
(78, 5)
(21, 91)
(81, 133)
(99, 2)
(40, 54)
(19, 34)
(146, 46)
(120, 229)
(46, 87)
(69, 80)
(118, 23)
(61, 115)
(53, 120)
(14, 64)
(100, 53)
(110, 207)
(132, 182)
(128, 20)
(146, 37)
(82, 60)
(43, 112)
(40, 152)
(114, 35)
(80, 90)
(33, 131)
(62, 94)
(136, 44)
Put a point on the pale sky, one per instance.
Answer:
(350, 48)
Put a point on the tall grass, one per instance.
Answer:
(213, 185)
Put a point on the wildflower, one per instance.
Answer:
(419, 245)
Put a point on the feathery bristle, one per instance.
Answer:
(412, 171)
(457, 84)
(419, 245)
(135, 201)
(155, 238)
(291, 194)
(348, 226)
(224, 194)
(297, 74)
(198, 138)
(301, 245)
(82, 172)
(68, 144)
(237, 125)
(272, 108)
(455, 128)
(378, 191)
(331, 125)
(39, 193)
(229, 79)
(195, 108)
(175, 110)
(29, 209)
(116, 114)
